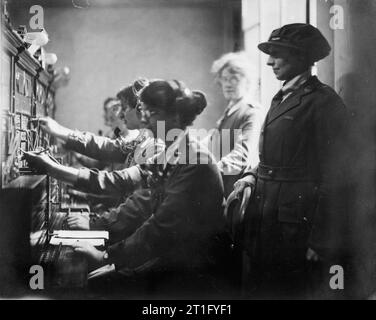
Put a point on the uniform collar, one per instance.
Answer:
(231, 108)
(295, 83)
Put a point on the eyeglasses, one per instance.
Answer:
(233, 79)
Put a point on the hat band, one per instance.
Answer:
(284, 40)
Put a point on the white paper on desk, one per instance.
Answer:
(79, 234)
(55, 241)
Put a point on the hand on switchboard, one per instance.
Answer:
(51, 126)
(47, 124)
(38, 160)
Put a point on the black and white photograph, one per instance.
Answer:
(202, 152)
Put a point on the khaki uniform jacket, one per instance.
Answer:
(299, 199)
(234, 143)
(186, 212)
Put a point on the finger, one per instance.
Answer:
(43, 120)
(80, 250)
(72, 224)
(34, 120)
(73, 218)
(80, 245)
(77, 245)
(239, 191)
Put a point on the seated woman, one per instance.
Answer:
(133, 148)
(181, 238)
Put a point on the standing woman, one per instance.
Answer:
(235, 140)
(297, 218)
(178, 244)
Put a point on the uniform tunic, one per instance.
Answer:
(300, 185)
(235, 140)
(183, 233)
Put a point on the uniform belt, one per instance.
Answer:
(284, 173)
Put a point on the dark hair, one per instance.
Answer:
(175, 98)
(130, 94)
(107, 101)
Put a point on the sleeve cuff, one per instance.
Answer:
(83, 178)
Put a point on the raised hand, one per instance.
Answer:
(50, 126)
(37, 160)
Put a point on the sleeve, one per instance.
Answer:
(245, 151)
(163, 227)
(122, 221)
(330, 216)
(89, 162)
(115, 183)
(100, 148)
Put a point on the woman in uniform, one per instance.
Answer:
(127, 150)
(240, 124)
(296, 220)
(182, 238)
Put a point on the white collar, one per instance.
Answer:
(295, 82)
(236, 106)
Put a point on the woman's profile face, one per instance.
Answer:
(131, 118)
(150, 116)
(234, 85)
(111, 114)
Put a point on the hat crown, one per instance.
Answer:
(301, 36)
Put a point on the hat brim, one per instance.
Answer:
(266, 46)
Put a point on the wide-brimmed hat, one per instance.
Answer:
(300, 36)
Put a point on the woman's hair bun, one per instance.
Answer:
(199, 101)
(174, 97)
